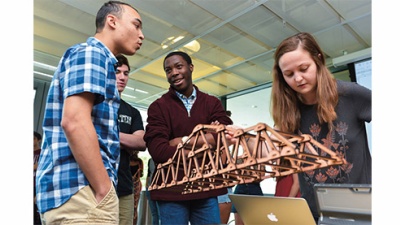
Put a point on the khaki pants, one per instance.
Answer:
(126, 210)
(83, 208)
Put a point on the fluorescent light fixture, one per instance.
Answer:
(44, 66)
(351, 57)
(129, 88)
(141, 91)
(170, 41)
(128, 96)
(43, 74)
(177, 39)
(137, 90)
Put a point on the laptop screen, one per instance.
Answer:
(348, 202)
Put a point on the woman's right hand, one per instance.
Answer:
(229, 133)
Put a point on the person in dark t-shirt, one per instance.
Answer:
(131, 138)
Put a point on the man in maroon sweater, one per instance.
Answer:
(170, 118)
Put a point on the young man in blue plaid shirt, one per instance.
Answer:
(77, 171)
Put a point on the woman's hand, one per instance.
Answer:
(229, 133)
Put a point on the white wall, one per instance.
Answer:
(363, 71)
(248, 110)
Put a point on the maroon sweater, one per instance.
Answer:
(167, 119)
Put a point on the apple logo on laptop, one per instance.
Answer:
(272, 217)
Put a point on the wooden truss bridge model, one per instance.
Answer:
(271, 154)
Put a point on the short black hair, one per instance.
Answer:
(37, 135)
(110, 7)
(122, 60)
(184, 55)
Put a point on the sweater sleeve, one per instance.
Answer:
(218, 113)
(157, 135)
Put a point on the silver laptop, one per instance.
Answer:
(265, 210)
(348, 204)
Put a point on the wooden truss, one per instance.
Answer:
(260, 152)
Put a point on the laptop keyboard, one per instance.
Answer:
(340, 221)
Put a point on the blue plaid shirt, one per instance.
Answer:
(86, 67)
(188, 102)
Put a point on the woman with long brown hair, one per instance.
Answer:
(307, 99)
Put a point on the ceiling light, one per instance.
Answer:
(193, 46)
(178, 39)
(43, 74)
(129, 96)
(44, 66)
(137, 90)
(170, 41)
(141, 91)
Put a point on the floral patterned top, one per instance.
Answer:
(348, 139)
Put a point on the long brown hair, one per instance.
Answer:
(285, 101)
